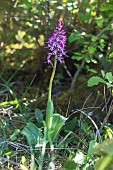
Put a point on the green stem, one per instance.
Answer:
(51, 79)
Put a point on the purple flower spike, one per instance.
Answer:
(57, 43)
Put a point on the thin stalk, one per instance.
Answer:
(51, 79)
(43, 150)
(42, 155)
(33, 165)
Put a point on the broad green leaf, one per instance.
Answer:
(33, 134)
(72, 37)
(75, 37)
(38, 115)
(95, 80)
(83, 16)
(49, 113)
(57, 122)
(109, 77)
(105, 150)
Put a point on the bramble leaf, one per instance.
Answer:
(95, 80)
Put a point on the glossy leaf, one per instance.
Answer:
(49, 114)
(57, 122)
(95, 80)
(33, 134)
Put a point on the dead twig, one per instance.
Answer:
(76, 75)
(9, 161)
(107, 116)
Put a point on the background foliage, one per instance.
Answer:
(25, 26)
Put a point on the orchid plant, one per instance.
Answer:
(53, 121)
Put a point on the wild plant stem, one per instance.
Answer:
(42, 155)
(48, 116)
(51, 79)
